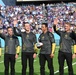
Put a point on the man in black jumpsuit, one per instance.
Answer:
(28, 44)
(65, 51)
(0, 48)
(47, 50)
(10, 53)
(74, 37)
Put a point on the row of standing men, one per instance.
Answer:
(47, 50)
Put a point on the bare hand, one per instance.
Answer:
(16, 56)
(51, 55)
(73, 56)
(1, 31)
(56, 21)
(15, 22)
(34, 55)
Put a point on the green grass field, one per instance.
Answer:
(37, 67)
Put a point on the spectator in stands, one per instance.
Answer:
(37, 14)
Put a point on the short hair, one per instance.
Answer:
(9, 27)
(25, 23)
(46, 25)
(68, 23)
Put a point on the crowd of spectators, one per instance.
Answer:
(37, 14)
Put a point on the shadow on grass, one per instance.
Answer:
(64, 74)
(47, 73)
(2, 73)
(27, 73)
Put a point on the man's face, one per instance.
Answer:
(43, 28)
(67, 27)
(10, 31)
(27, 27)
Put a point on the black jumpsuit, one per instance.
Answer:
(65, 51)
(28, 42)
(11, 43)
(47, 39)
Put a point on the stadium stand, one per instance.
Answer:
(36, 14)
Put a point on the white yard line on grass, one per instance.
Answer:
(17, 61)
(20, 61)
(64, 68)
(1, 62)
(54, 72)
(19, 58)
